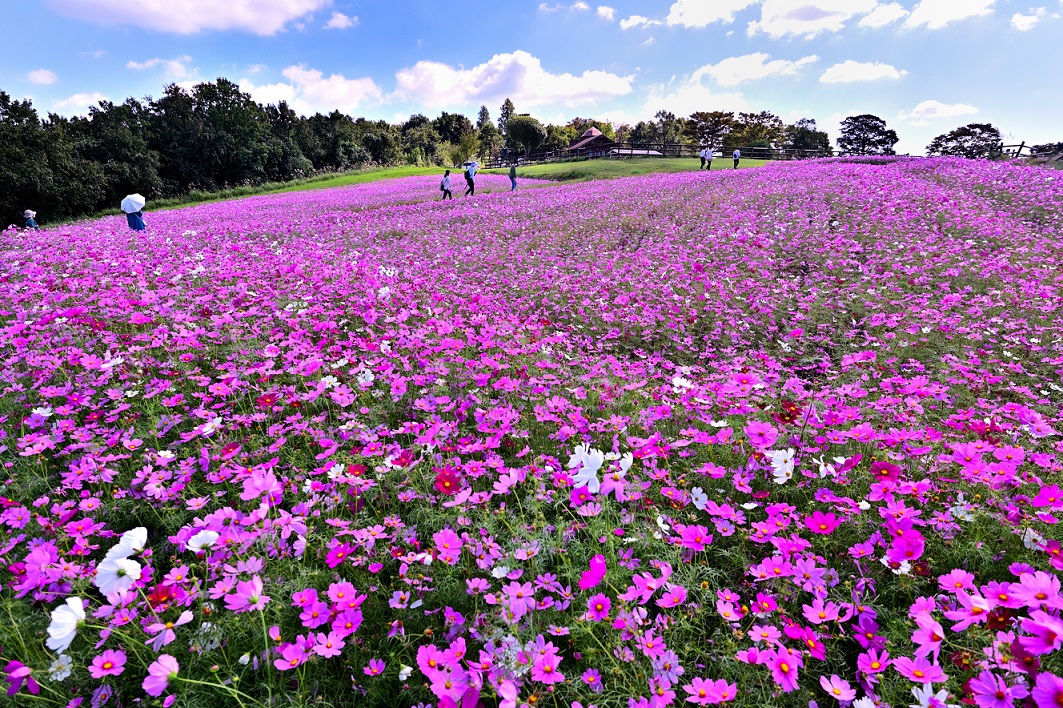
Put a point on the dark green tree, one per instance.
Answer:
(506, 112)
(974, 140)
(709, 128)
(805, 135)
(582, 125)
(866, 135)
(526, 132)
(644, 132)
(763, 129)
(669, 128)
(452, 126)
(483, 118)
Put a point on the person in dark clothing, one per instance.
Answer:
(737, 155)
(513, 177)
(445, 186)
(30, 223)
(136, 220)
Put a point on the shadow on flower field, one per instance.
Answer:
(757, 438)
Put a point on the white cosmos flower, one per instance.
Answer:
(500, 571)
(590, 461)
(132, 541)
(699, 498)
(625, 462)
(60, 668)
(116, 575)
(365, 378)
(405, 672)
(782, 464)
(202, 540)
(64, 626)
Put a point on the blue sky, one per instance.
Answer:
(925, 66)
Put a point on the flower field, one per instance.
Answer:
(760, 438)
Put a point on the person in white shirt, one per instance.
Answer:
(708, 158)
(702, 156)
(737, 155)
(445, 186)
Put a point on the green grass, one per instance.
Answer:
(583, 170)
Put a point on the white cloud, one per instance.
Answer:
(519, 76)
(638, 21)
(95, 54)
(579, 6)
(263, 17)
(932, 110)
(79, 103)
(1028, 22)
(310, 91)
(935, 14)
(700, 13)
(42, 77)
(690, 94)
(750, 67)
(807, 18)
(341, 21)
(852, 71)
(606, 13)
(884, 15)
(175, 69)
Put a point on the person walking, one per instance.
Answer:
(30, 224)
(708, 158)
(445, 186)
(737, 155)
(513, 177)
(702, 156)
(470, 177)
(135, 219)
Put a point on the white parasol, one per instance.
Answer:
(133, 203)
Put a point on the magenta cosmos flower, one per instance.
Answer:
(598, 607)
(109, 663)
(991, 691)
(838, 688)
(704, 692)
(592, 577)
(161, 674)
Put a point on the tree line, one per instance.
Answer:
(214, 136)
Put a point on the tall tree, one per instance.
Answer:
(709, 128)
(669, 128)
(805, 135)
(483, 118)
(644, 132)
(973, 140)
(526, 132)
(763, 129)
(116, 137)
(559, 137)
(507, 112)
(452, 126)
(867, 134)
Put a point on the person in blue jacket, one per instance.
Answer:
(30, 222)
(136, 220)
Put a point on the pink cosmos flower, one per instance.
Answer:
(248, 596)
(920, 670)
(784, 667)
(598, 607)
(161, 674)
(292, 655)
(821, 523)
(673, 596)
(761, 435)
(1045, 633)
(17, 674)
(704, 692)
(991, 691)
(837, 688)
(109, 663)
(375, 668)
(695, 538)
(328, 645)
(544, 669)
(1048, 691)
(592, 577)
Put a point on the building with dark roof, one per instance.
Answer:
(592, 144)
